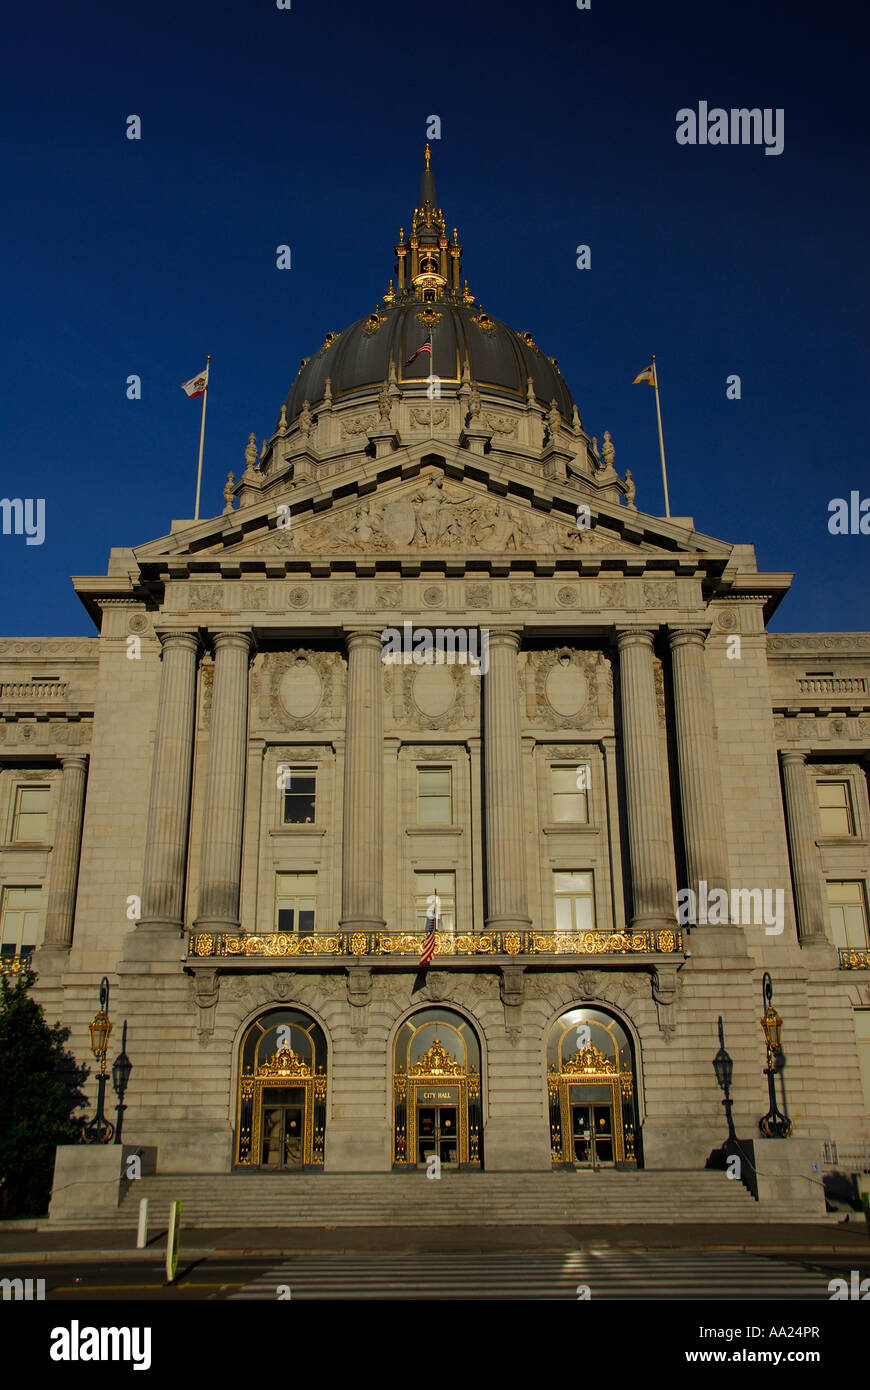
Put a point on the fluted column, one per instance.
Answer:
(169, 806)
(362, 865)
(649, 831)
(221, 855)
(806, 868)
(700, 785)
(506, 890)
(65, 854)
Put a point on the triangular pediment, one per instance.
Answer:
(432, 514)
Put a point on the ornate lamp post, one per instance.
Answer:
(774, 1125)
(723, 1066)
(100, 1130)
(121, 1068)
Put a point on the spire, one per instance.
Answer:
(427, 182)
(428, 264)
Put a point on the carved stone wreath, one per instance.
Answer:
(321, 678)
(360, 424)
(297, 597)
(464, 697)
(728, 619)
(551, 680)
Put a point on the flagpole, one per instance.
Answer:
(661, 436)
(201, 441)
(431, 382)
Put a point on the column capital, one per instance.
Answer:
(172, 637)
(363, 636)
(634, 637)
(505, 637)
(240, 638)
(78, 760)
(687, 637)
(792, 757)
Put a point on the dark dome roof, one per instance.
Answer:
(500, 359)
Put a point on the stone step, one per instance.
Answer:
(503, 1199)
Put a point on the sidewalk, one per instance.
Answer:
(44, 1245)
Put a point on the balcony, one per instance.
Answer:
(33, 690)
(854, 958)
(832, 685)
(208, 947)
(16, 965)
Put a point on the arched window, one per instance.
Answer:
(281, 1113)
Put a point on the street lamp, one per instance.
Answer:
(121, 1068)
(723, 1066)
(775, 1124)
(100, 1130)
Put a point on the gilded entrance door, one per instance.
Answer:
(282, 1094)
(283, 1126)
(588, 1125)
(436, 1092)
(591, 1092)
(592, 1126)
(438, 1127)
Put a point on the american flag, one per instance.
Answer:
(424, 347)
(433, 912)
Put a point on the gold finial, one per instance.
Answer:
(427, 154)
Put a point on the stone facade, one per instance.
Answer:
(237, 647)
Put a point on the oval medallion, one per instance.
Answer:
(566, 690)
(300, 690)
(433, 690)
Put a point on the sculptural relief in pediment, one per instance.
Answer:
(437, 515)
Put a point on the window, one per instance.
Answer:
(847, 907)
(569, 793)
(434, 796)
(31, 814)
(300, 785)
(294, 902)
(426, 885)
(862, 1033)
(574, 901)
(19, 930)
(835, 808)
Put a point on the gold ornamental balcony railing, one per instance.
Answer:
(852, 958)
(15, 965)
(208, 945)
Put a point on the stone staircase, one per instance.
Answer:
(266, 1200)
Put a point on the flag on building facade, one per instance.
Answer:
(433, 912)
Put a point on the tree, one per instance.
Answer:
(39, 1087)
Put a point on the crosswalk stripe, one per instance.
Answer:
(669, 1275)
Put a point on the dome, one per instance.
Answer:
(428, 299)
(500, 359)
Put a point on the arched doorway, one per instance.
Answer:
(436, 1092)
(591, 1086)
(281, 1111)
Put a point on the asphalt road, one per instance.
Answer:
(596, 1272)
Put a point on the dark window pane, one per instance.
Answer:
(299, 804)
(306, 922)
(285, 918)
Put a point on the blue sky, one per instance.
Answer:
(305, 126)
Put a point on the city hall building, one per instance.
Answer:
(431, 658)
